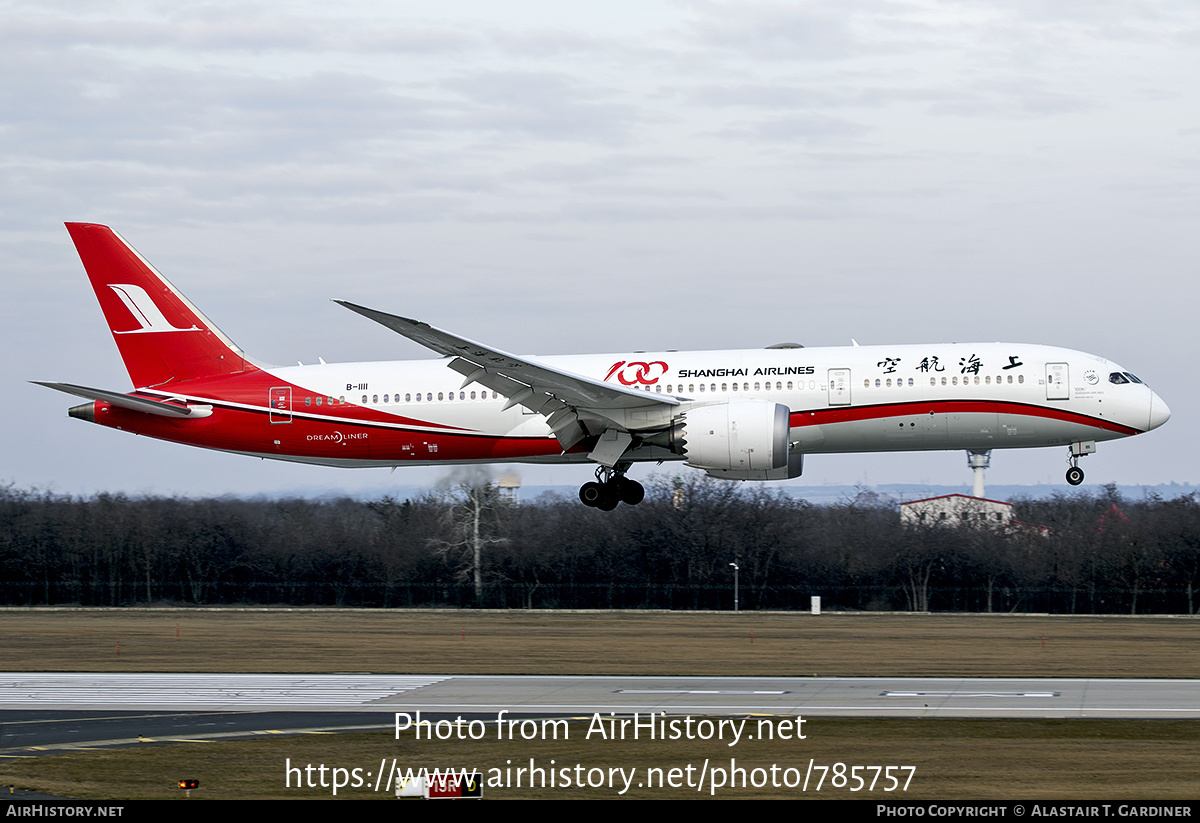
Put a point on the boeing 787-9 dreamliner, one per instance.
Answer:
(739, 415)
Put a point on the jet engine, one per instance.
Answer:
(742, 440)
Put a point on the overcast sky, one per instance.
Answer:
(566, 177)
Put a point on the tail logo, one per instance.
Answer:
(144, 310)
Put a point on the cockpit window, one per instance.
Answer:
(1132, 378)
(1118, 378)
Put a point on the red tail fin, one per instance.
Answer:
(161, 335)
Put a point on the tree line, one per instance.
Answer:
(467, 547)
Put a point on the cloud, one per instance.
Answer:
(684, 173)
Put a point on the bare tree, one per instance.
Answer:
(471, 521)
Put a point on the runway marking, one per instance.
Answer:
(969, 694)
(93, 718)
(698, 691)
(210, 737)
(170, 690)
(1132, 712)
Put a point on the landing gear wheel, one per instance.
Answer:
(610, 488)
(631, 492)
(609, 501)
(1074, 475)
(590, 494)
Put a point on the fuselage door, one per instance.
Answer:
(839, 387)
(281, 404)
(1057, 387)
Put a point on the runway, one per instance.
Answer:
(560, 695)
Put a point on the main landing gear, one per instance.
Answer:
(610, 488)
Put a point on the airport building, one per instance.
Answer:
(957, 510)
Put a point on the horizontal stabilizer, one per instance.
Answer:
(125, 401)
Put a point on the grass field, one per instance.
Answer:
(954, 759)
(595, 643)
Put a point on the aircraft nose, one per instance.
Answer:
(1159, 411)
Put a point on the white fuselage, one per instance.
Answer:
(739, 415)
(848, 399)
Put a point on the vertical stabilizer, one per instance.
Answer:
(162, 337)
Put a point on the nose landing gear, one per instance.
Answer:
(1078, 450)
(610, 488)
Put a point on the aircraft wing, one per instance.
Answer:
(568, 400)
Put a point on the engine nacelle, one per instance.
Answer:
(794, 468)
(742, 440)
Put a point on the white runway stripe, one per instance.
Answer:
(167, 690)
